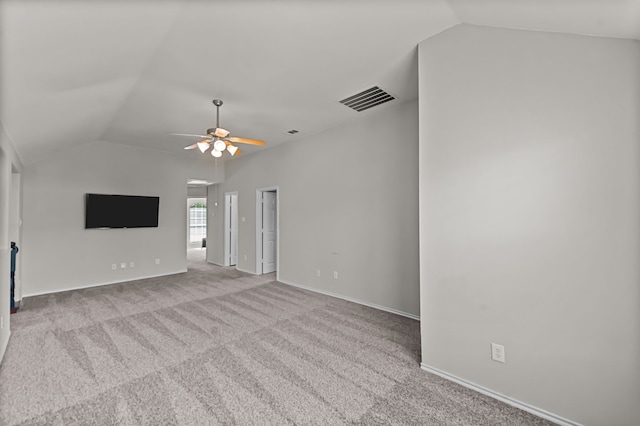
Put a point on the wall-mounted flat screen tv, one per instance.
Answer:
(120, 211)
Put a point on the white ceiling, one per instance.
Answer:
(133, 71)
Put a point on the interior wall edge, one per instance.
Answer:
(3, 345)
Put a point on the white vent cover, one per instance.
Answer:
(367, 99)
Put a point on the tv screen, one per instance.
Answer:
(120, 211)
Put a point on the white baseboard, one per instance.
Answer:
(245, 271)
(101, 284)
(350, 299)
(215, 262)
(507, 400)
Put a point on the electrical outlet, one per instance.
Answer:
(114, 266)
(497, 352)
(157, 261)
(335, 275)
(132, 264)
(318, 272)
(123, 265)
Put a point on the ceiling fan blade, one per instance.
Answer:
(192, 146)
(247, 141)
(190, 134)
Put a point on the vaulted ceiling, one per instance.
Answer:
(133, 71)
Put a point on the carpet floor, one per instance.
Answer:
(218, 346)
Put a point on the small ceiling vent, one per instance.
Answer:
(367, 99)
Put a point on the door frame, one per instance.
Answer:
(15, 226)
(227, 226)
(259, 192)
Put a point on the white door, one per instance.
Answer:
(234, 229)
(269, 231)
(231, 229)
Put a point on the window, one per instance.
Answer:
(197, 222)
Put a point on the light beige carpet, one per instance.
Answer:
(217, 346)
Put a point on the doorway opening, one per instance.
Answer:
(230, 229)
(197, 223)
(267, 230)
(15, 231)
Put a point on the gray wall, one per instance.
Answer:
(529, 214)
(348, 203)
(197, 191)
(59, 254)
(10, 168)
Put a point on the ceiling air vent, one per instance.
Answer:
(367, 99)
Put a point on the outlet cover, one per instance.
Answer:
(132, 264)
(497, 352)
(114, 266)
(123, 265)
(157, 261)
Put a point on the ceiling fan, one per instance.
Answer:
(218, 138)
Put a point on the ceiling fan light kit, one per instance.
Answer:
(219, 145)
(218, 138)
